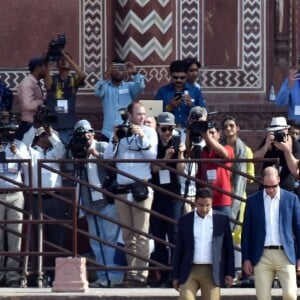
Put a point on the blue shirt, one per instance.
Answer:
(289, 97)
(116, 97)
(167, 92)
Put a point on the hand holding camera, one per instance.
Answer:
(175, 102)
(131, 69)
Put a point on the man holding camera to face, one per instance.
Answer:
(179, 96)
(169, 146)
(209, 171)
(13, 202)
(61, 90)
(134, 141)
(118, 87)
(278, 144)
(84, 145)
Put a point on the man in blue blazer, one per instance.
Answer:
(271, 237)
(204, 255)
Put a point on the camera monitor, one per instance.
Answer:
(153, 107)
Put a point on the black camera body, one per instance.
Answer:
(124, 130)
(279, 136)
(45, 116)
(176, 139)
(79, 143)
(55, 47)
(8, 128)
(200, 127)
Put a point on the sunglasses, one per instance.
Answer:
(178, 77)
(271, 186)
(165, 129)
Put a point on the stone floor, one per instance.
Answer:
(122, 294)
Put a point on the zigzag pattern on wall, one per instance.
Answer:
(148, 35)
(190, 29)
(153, 19)
(143, 3)
(142, 52)
(93, 44)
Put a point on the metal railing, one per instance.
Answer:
(35, 218)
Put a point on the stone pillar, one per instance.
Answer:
(70, 275)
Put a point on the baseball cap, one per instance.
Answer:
(166, 118)
(85, 124)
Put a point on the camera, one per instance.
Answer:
(45, 116)
(78, 144)
(280, 136)
(176, 139)
(177, 95)
(125, 129)
(120, 67)
(200, 127)
(8, 128)
(55, 47)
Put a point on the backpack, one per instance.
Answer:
(6, 97)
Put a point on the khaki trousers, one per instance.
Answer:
(275, 262)
(13, 241)
(135, 242)
(200, 278)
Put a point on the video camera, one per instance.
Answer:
(8, 128)
(45, 116)
(55, 47)
(79, 143)
(198, 127)
(125, 129)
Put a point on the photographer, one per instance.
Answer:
(179, 96)
(11, 148)
(30, 93)
(120, 85)
(212, 173)
(278, 144)
(169, 146)
(43, 143)
(136, 142)
(61, 93)
(289, 93)
(83, 141)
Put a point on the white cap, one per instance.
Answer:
(85, 124)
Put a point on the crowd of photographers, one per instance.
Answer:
(48, 130)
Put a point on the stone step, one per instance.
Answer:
(123, 294)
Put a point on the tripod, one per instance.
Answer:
(196, 153)
(85, 196)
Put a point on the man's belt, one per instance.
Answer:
(273, 247)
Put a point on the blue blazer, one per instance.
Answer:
(222, 248)
(254, 227)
